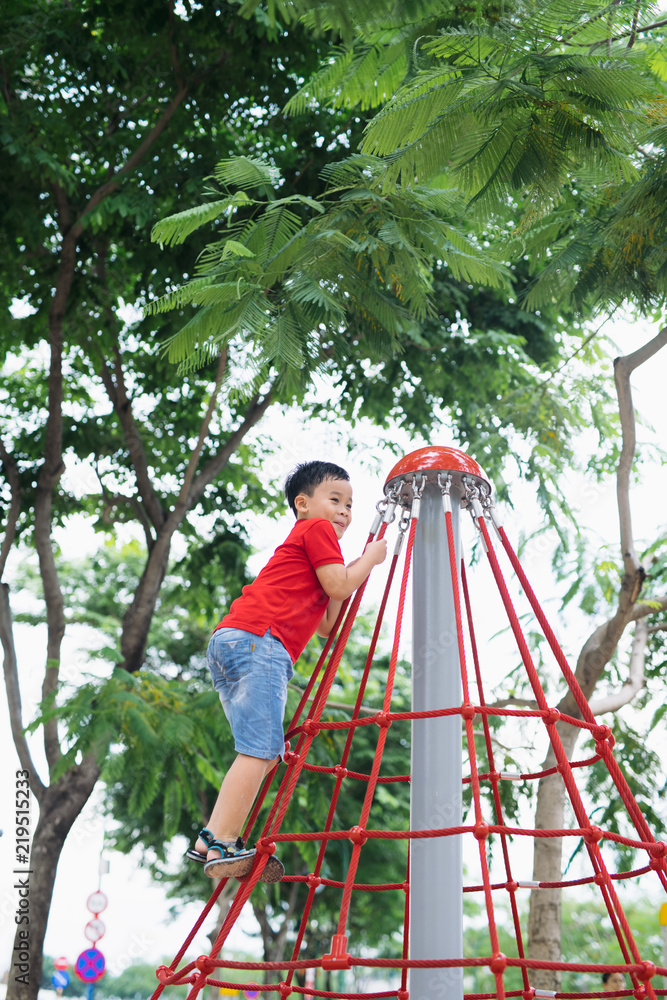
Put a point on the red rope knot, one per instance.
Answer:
(205, 964)
(285, 989)
(593, 835)
(340, 771)
(551, 716)
(481, 830)
(639, 993)
(405, 887)
(163, 972)
(528, 994)
(512, 886)
(657, 854)
(648, 970)
(498, 963)
(382, 720)
(310, 727)
(290, 757)
(313, 881)
(600, 879)
(467, 710)
(604, 739)
(402, 995)
(265, 846)
(357, 835)
(338, 957)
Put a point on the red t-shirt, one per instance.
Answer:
(287, 597)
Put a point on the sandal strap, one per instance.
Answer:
(206, 836)
(228, 849)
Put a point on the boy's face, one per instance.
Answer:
(332, 500)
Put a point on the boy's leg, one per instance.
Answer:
(237, 794)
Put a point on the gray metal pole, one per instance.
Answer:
(436, 876)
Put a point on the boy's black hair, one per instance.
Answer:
(307, 475)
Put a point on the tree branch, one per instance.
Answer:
(652, 607)
(203, 430)
(112, 500)
(14, 694)
(524, 702)
(635, 31)
(137, 156)
(132, 161)
(117, 393)
(623, 369)
(138, 616)
(635, 22)
(635, 682)
(12, 474)
(51, 470)
(254, 413)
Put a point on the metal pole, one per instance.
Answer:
(436, 876)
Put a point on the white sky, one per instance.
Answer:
(138, 928)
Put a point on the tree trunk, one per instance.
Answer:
(139, 615)
(544, 921)
(59, 807)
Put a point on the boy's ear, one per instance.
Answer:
(301, 503)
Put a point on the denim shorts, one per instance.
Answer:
(250, 673)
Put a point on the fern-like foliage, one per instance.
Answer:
(341, 17)
(514, 108)
(509, 102)
(293, 271)
(616, 252)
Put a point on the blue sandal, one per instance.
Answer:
(234, 859)
(193, 855)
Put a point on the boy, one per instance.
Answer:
(251, 653)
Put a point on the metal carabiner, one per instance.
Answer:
(417, 494)
(445, 491)
(403, 525)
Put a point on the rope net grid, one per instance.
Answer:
(483, 788)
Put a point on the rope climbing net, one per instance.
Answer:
(468, 491)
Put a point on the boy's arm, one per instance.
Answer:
(328, 619)
(339, 581)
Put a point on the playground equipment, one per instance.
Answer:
(428, 493)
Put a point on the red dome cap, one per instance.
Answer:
(435, 459)
(439, 458)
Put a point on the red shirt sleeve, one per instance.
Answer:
(321, 544)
